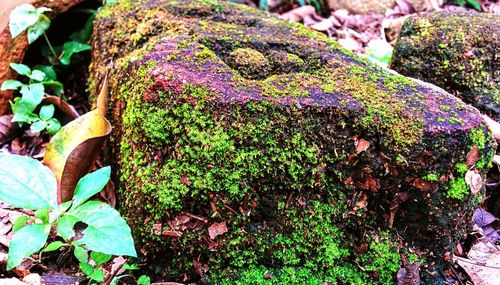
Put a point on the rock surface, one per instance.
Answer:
(456, 51)
(12, 50)
(249, 149)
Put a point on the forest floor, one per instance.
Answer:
(374, 35)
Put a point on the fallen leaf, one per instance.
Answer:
(474, 181)
(496, 159)
(494, 127)
(472, 156)
(73, 151)
(217, 229)
(299, 13)
(6, 128)
(322, 26)
(483, 218)
(482, 264)
(33, 279)
(69, 111)
(361, 145)
(175, 234)
(423, 185)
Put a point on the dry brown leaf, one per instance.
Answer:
(217, 229)
(6, 128)
(472, 156)
(474, 181)
(496, 159)
(323, 26)
(33, 279)
(361, 145)
(482, 264)
(298, 14)
(494, 127)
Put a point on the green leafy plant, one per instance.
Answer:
(379, 51)
(474, 3)
(27, 17)
(32, 95)
(27, 183)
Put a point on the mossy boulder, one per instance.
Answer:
(457, 51)
(251, 150)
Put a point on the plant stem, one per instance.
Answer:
(50, 46)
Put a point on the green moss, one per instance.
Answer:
(295, 59)
(458, 189)
(250, 62)
(478, 138)
(382, 257)
(432, 177)
(461, 168)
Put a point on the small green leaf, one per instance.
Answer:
(43, 215)
(11, 85)
(24, 118)
(475, 4)
(143, 280)
(19, 223)
(106, 231)
(97, 275)
(99, 257)
(25, 242)
(57, 212)
(37, 75)
(26, 183)
(65, 226)
(22, 107)
(56, 86)
(86, 268)
(90, 184)
(33, 93)
(21, 18)
(38, 126)
(379, 51)
(53, 126)
(42, 10)
(81, 254)
(37, 29)
(132, 266)
(46, 112)
(48, 70)
(71, 48)
(21, 69)
(55, 245)
(84, 34)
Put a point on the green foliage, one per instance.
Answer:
(70, 48)
(26, 183)
(27, 17)
(458, 189)
(143, 280)
(382, 257)
(432, 177)
(380, 52)
(32, 95)
(474, 3)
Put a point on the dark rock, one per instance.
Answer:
(322, 166)
(457, 51)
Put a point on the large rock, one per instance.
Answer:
(249, 149)
(12, 50)
(456, 51)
